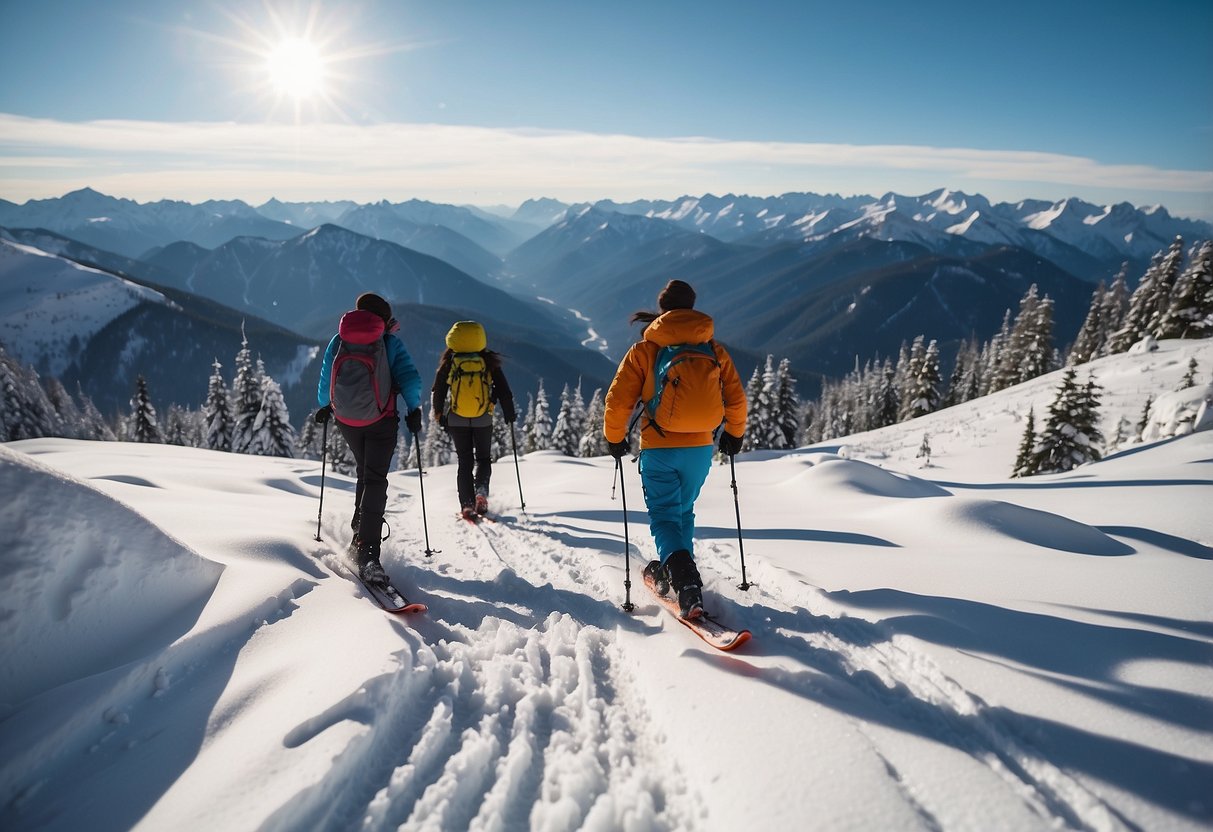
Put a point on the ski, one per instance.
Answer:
(475, 521)
(711, 630)
(386, 596)
(390, 599)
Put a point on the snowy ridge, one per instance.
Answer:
(935, 647)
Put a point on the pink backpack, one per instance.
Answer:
(360, 387)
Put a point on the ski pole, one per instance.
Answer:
(324, 449)
(421, 482)
(628, 606)
(517, 471)
(744, 585)
(614, 479)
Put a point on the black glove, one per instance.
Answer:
(730, 445)
(324, 414)
(413, 420)
(509, 414)
(619, 449)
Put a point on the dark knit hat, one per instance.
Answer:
(677, 294)
(373, 303)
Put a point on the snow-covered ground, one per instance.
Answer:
(935, 647)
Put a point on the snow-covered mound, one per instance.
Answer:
(86, 583)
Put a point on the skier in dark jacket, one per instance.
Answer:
(468, 382)
(373, 440)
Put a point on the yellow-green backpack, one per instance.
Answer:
(471, 387)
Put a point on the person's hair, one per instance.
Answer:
(677, 294)
(644, 316)
(371, 302)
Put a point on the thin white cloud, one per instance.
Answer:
(145, 159)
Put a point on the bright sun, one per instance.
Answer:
(296, 68)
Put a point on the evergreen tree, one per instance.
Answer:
(888, 400)
(307, 445)
(272, 433)
(1144, 421)
(341, 458)
(178, 429)
(593, 442)
(65, 408)
(924, 451)
(93, 424)
(1190, 312)
(788, 404)
(437, 449)
(246, 394)
(1025, 459)
(1113, 309)
(217, 413)
(539, 426)
(1189, 379)
(995, 362)
(923, 393)
(1069, 435)
(566, 435)
(1168, 276)
(1090, 335)
(142, 426)
(763, 429)
(502, 439)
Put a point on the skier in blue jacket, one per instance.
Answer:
(372, 441)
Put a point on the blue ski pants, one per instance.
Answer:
(672, 478)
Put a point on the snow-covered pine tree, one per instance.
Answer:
(1025, 459)
(246, 398)
(1113, 309)
(1069, 434)
(177, 427)
(501, 435)
(307, 444)
(142, 426)
(18, 419)
(1190, 312)
(924, 450)
(93, 424)
(787, 404)
(753, 390)
(1168, 276)
(437, 447)
(763, 430)
(992, 356)
(272, 434)
(1087, 418)
(909, 376)
(340, 457)
(567, 432)
(1189, 379)
(1143, 421)
(888, 399)
(1090, 334)
(217, 412)
(1040, 355)
(923, 394)
(539, 423)
(592, 442)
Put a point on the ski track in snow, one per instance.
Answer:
(496, 718)
(508, 723)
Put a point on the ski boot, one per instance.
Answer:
(469, 513)
(684, 579)
(372, 572)
(661, 581)
(482, 504)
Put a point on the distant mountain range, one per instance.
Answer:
(816, 278)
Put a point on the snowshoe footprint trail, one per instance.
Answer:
(500, 728)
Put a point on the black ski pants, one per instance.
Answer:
(372, 447)
(474, 447)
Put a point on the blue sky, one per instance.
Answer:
(492, 102)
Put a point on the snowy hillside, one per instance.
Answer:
(51, 306)
(934, 647)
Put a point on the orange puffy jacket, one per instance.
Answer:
(634, 382)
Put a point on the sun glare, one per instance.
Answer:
(296, 68)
